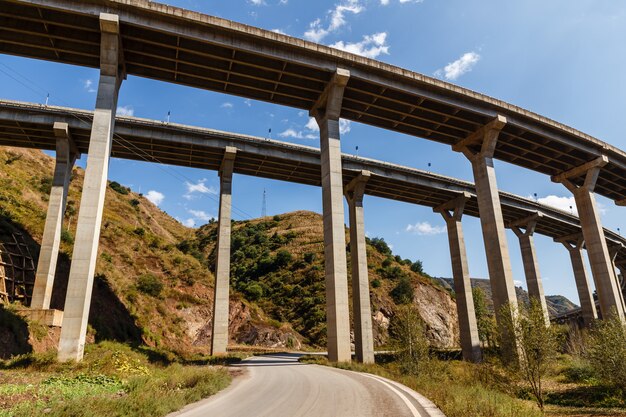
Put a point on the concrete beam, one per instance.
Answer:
(326, 112)
(585, 295)
(529, 259)
(599, 162)
(601, 266)
(80, 283)
(362, 311)
(492, 222)
(219, 332)
(46, 267)
(452, 213)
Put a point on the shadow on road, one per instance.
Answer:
(274, 359)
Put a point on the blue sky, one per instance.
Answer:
(565, 60)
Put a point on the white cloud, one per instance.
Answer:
(155, 197)
(561, 203)
(344, 126)
(517, 283)
(455, 69)
(370, 47)
(257, 2)
(282, 32)
(227, 105)
(200, 215)
(189, 222)
(312, 125)
(248, 102)
(386, 2)
(88, 85)
(198, 187)
(425, 229)
(125, 111)
(317, 31)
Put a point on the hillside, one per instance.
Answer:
(557, 304)
(153, 282)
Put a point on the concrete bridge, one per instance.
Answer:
(174, 45)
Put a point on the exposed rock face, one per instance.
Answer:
(438, 310)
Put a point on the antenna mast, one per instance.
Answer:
(264, 205)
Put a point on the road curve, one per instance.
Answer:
(278, 385)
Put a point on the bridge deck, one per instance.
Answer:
(30, 125)
(180, 46)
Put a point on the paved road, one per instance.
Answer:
(279, 386)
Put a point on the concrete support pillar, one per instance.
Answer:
(613, 251)
(219, 335)
(66, 154)
(363, 332)
(452, 213)
(599, 258)
(80, 283)
(529, 258)
(479, 148)
(326, 111)
(585, 295)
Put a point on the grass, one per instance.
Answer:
(112, 380)
(462, 389)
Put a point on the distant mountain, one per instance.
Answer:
(557, 304)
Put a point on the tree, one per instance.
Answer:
(408, 339)
(537, 346)
(484, 320)
(403, 293)
(607, 352)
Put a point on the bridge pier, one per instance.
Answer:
(478, 148)
(66, 154)
(585, 295)
(613, 251)
(219, 332)
(362, 312)
(529, 259)
(80, 283)
(452, 213)
(326, 112)
(601, 265)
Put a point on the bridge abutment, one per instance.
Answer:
(452, 213)
(361, 308)
(529, 259)
(326, 112)
(80, 283)
(219, 333)
(66, 155)
(597, 249)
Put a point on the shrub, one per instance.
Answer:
(380, 245)
(376, 283)
(150, 285)
(254, 291)
(119, 188)
(309, 257)
(403, 292)
(139, 231)
(607, 351)
(276, 218)
(387, 262)
(134, 202)
(417, 267)
(66, 236)
(283, 258)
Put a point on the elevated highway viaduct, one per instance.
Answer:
(148, 39)
(35, 126)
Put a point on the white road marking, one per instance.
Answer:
(407, 402)
(429, 406)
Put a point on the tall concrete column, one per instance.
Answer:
(363, 333)
(452, 213)
(80, 283)
(326, 112)
(613, 251)
(585, 295)
(66, 154)
(529, 259)
(599, 258)
(219, 335)
(479, 148)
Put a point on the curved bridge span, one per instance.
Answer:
(152, 40)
